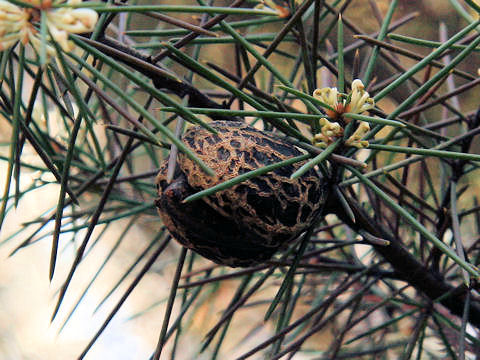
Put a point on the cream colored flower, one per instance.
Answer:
(18, 24)
(330, 97)
(360, 100)
(47, 4)
(355, 139)
(356, 102)
(328, 132)
(35, 41)
(13, 25)
(64, 21)
(330, 128)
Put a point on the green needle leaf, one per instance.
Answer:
(167, 132)
(340, 63)
(304, 96)
(426, 60)
(426, 152)
(102, 8)
(415, 224)
(381, 35)
(375, 120)
(316, 160)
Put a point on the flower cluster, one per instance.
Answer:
(336, 104)
(18, 23)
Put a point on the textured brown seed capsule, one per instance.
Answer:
(247, 223)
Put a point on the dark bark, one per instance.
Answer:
(426, 280)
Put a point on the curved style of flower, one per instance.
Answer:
(20, 23)
(270, 5)
(356, 138)
(336, 105)
(328, 132)
(360, 100)
(14, 25)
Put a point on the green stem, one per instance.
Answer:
(248, 175)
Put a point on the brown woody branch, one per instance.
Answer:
(425, 280)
